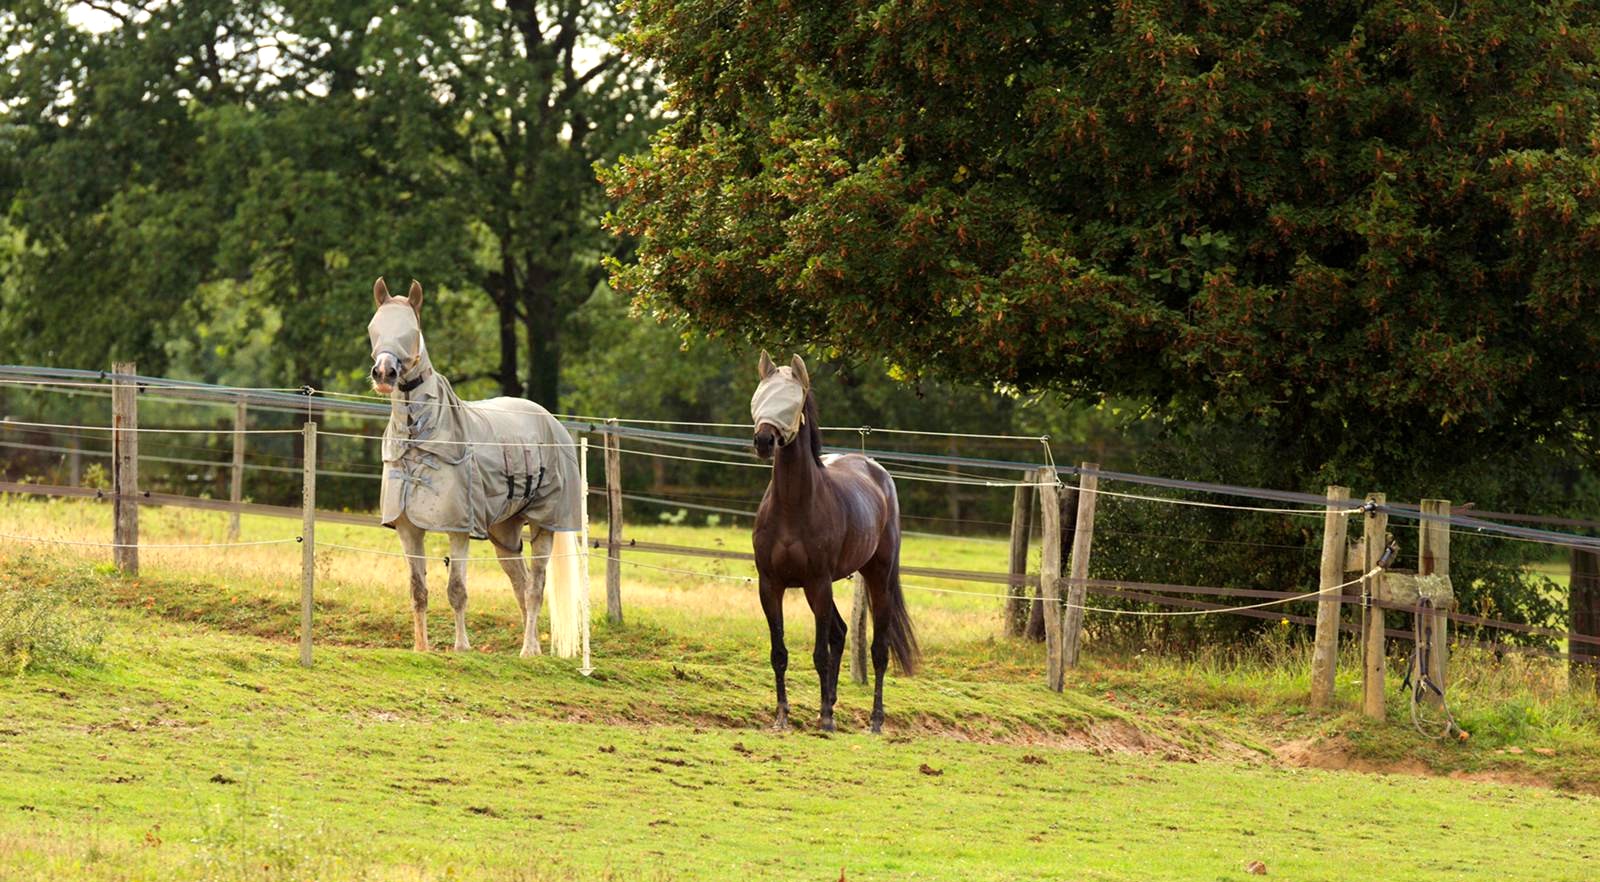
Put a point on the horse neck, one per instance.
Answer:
(795, 475)
(399, 402)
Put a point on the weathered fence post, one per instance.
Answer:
(1583, 615)
(613, 448)
(1067, 518)
(1433, 558)
(1050, 577)
(125, 467)
(308, 538)
(1077, 583)
(858, 630)
(1017, 605)
(236, 482)
(74, 463)
(1325, 651)
(583, 544)
(1374, 536)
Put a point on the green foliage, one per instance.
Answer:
(224, 180)
(1362, 230)
(47, 624)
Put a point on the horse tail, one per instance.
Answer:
(897, 623)
(565, 594)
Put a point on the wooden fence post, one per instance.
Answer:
(1374, 536)
(1325, 651)
(308, 538)
(1050, 577)
(858, 630)
(1077, 583)
(1433, 556)
(125, 468)
(1583, 615)
(1017, 606)
(585, 668)
(236, 483)
(613, 448)
(74, 463)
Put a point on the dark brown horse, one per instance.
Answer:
(823, 519)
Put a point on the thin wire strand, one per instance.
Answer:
(147, 544)
(11, 422)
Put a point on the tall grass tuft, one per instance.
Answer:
(48, 623)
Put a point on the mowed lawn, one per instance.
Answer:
(196, 748)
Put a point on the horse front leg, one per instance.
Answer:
(411, 542)
(772, 605)
(821, 598)
(459, 551)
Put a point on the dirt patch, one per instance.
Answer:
(1338, 754)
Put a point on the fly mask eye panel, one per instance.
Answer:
(394, 330)
(780, 401)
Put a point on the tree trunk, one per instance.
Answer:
(509, 383)
(542, 328)
(1583, 605)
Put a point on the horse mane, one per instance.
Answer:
(813, 428)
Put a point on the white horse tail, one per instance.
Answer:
(567, 594)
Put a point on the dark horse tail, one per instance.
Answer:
(897, 630)
(897, 619)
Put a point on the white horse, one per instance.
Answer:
(475, 470)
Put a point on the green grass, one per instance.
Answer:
(196, 748)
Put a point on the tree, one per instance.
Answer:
(534, 96)
(212, 163)
(207, 162)
(1365, 231)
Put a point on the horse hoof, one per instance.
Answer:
(877, 728)
(530, 651)
(826, 724)
(780, 723)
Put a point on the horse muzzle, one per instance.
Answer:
(767, 440)
(385, 372)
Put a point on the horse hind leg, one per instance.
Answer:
(411, 542)
(507, 541)
(543, 545)
(459, 551)
(836, 644)
(877, 577)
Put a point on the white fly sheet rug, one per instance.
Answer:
(458, 467)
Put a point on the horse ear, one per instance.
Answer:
(414, 297)
(766, 368)
(798, 365)
(380, 292)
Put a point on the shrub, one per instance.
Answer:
(48, 620)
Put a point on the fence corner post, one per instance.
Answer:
(308, 538)
(1325, 650)
(1017, 604)
(858, 630)
(1050, 576)
(125, 467)
(1374, 537)
(613, 449)
(1078, 581)
(1433, 558)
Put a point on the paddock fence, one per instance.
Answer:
(1058, 502)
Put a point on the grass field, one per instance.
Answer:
(188, 744)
